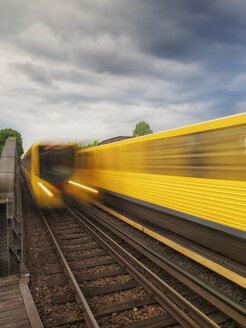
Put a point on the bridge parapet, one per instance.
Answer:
(10, 210)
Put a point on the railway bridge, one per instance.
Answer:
(89, 265)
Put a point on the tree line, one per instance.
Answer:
(142, 128)
(5, 133)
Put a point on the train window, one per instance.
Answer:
(83, 161)
(57, 163)
(218, 154)
(214, 154)
(90, 156)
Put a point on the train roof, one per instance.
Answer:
(37, 144)
(194, 128)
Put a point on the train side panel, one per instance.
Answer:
(217, 201)
(191, 181)
(202, 174)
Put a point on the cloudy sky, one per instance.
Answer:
(85, 70)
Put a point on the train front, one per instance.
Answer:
(54, 164)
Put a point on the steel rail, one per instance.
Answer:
(178, 307)
(87, 313)
(227, 305)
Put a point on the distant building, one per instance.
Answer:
(114, 140)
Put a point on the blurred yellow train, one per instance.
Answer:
(45, 167)
(190, 181)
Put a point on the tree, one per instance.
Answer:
(141, 129)
(5, 133)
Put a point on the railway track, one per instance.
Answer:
(73, 238)
(223, 302)
(112, 281)
(97, 266)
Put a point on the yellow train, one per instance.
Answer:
(190, 181)
(46, 167)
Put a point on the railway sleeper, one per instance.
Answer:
(86, 256)
(78, 242)
(101, 274)
(96, 291)
(67, 250)
(92, 263)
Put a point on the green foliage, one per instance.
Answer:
(5, 133)
(141, 129)
(94, 143)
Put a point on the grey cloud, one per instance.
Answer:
(196, 21)
(193, 30)
(109, 63)
(34, 72)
